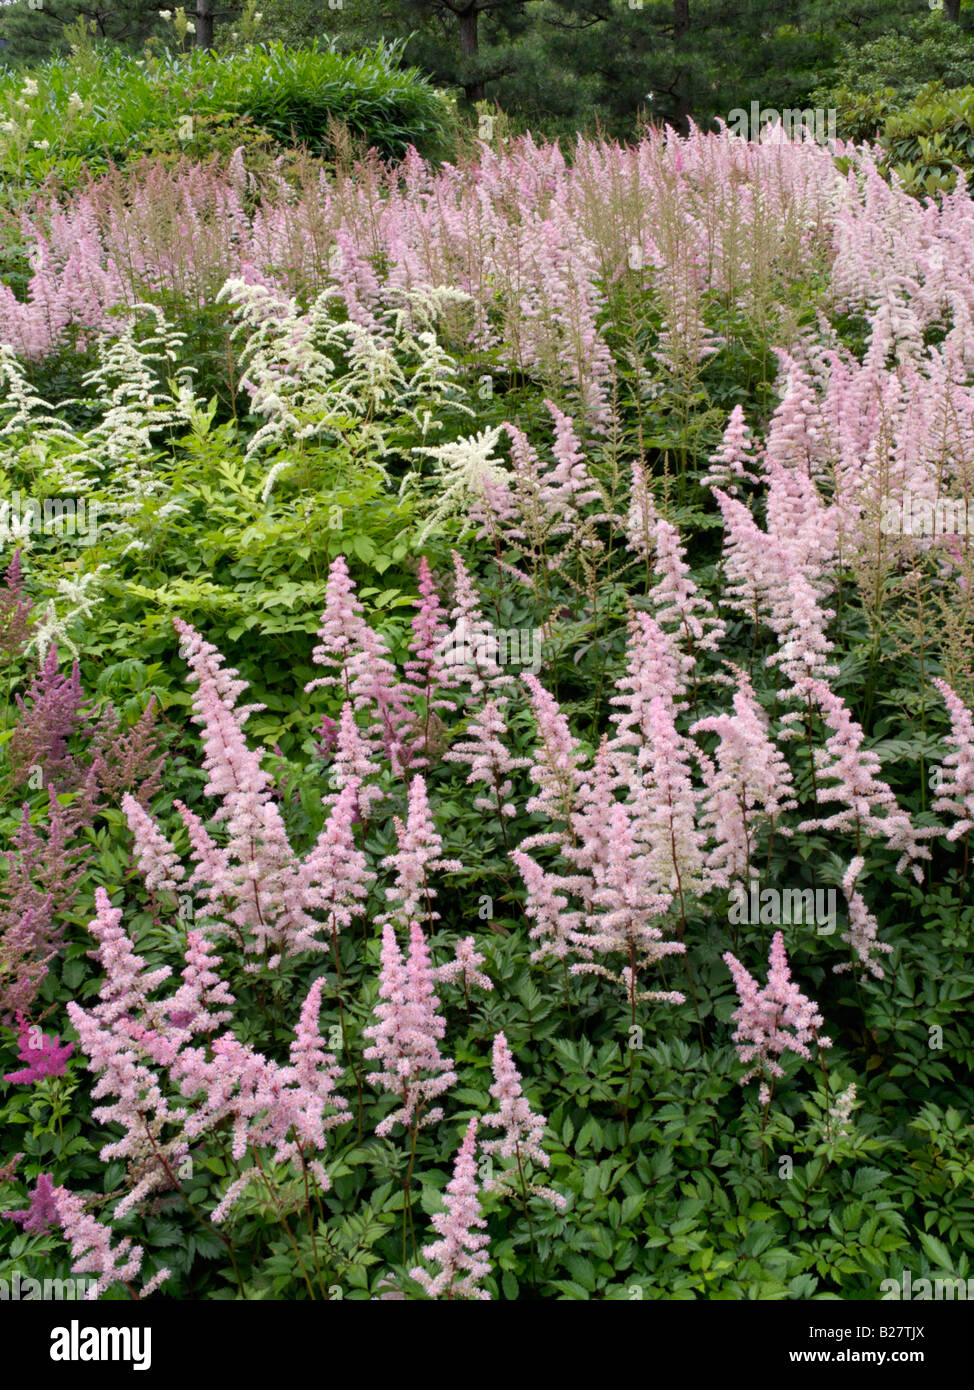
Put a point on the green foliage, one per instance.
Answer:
(106, 107)
(930, 137)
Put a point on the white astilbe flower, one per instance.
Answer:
(465, 469)
(313, 376)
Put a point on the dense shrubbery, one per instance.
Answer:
(78, 114)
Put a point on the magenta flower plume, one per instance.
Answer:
(406, 1038)
(41, 1053)
(772, 1020)
(458, 1252)
(42, 1213)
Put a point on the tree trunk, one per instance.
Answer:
(681, 27)
(469, 47)
(952, 10)
(204, 23)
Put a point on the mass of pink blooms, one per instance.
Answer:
(636, 821)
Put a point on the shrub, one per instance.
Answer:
(72, 115)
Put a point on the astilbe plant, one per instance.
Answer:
(459, 1251)
(41, 1054)
(773, 1019)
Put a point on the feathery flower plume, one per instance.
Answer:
(458, 1251)
(42, 1213)
(469, 651)
(40, 1052)
(157, 860)
(464, 966)
(753, 783)
(772, 1020)
(406, 1038)
(626, 926)
(419, 854)
(488, 759)
(523, 1130)
(863, 929)
(856, 786)
(955, 791)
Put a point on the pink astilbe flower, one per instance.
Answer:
(125, 1037)
(863, 929)
(427, 674)
(556, 769)
(406, 1038)
(753, 784)
(625, 906)
(546, 904)
(196, 1005)
(41, 1053)
(862, 794)
(334, 878)
(955, 790)
(282, 1107)
(354, 758)
(92, 1250)
(469, 650)
(15, 609)
(769, 582)
(569, 486)
(311, 1078)
(419, 854)
(523, 1130)
(42, 1213)
(735, 460)
(677, 600)
(655, 669)
(55, 710)
(483, 750)
(258, 865)
(465, 967)
(666, 806)
(44, 872)
(772, 1020)
(364, 670)
(158, 862)
(458, 1251)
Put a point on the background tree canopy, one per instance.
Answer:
(558, 66)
